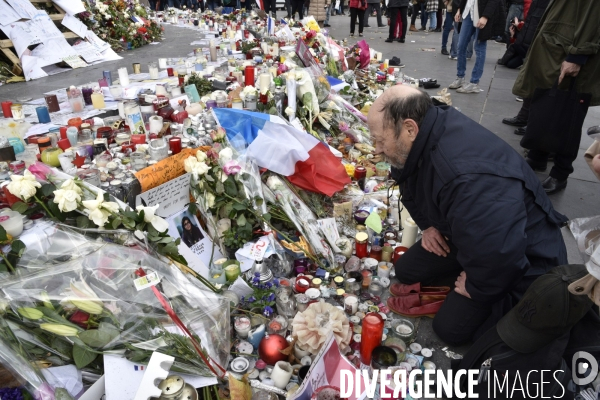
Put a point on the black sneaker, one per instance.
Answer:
(381, 26)
(389, 40)
(401, 40)
(326, 25)
(367, 26)
(445, 52)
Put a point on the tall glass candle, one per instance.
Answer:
(17, 111)
(42, 114)
(6, 109)
(175, 145)
(123, 76)
(162, 63)
(409, 233)
(98, 101)
(87, 95)
(108, 77)
(249, 75)
(372, 332)
(361, 244)
(153, 70)
(137, 68)
(52, 103)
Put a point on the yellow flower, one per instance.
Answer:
(349, 170)
(59, 329)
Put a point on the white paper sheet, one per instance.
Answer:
(23, 8)
(75, 25)
(39, 129)
(172, 196)
(31, 69)
(7, 13)
(53, 51)
(66, 376)
(71, 7)
(21, 39)
(87, 52)
(95, 41)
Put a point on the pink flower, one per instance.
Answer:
(232, 168)
(40, 170)
(343, 126)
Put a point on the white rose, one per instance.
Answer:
(201, 156)
(24, 187)
(99, 210)
(225, 155)
(209, 200)
(66, 199)
(70, 184)
(189, 163)
(157, 222)
(201, 168)
(99, 216)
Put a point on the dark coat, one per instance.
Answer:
(481, 194)
(495, 12)
(527, 33)
(568, 31)
(397, 3)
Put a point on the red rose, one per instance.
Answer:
(80, 318)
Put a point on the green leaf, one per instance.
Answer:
(141, 226)
(48, 189)
(267, 217)
(3, 236)
(154, 238)
(307, 101)
(152, 231)
(53, 207)
(239, 206)
(226, 210)
(166, 240)
(178, 242)
(20, 207)
(96, 338)
(83, 222)
(209, 178)
(258, 201)
(116, 222)
(3, 267)
(82, 356)
(56, 317)
(193, 208)
(241, 220)
(219, 188)
(129, 223)
(230, 186)
(131, 215)
(18, 248)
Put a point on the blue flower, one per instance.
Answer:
(268, 311)
(257, 274)
(256, 280)
(276, 282)
(268, 285)
(242, 299)
(271, 297)
(251, 299)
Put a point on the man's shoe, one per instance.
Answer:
(413, 28)
(416, 305)
(438, 30)
(520, 130)
(381, 26)
(326, 25)
(423, 28)
(469, 88)
(514, 121)
(367, 26)
(453, 58)
(401, 40)
(458, 82)
(389, 40)
(519, 98)
(400, 289)
(536, 165)
(445, 52)
(552, 185)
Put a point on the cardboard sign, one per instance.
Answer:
(164, 170)
(172, 196)
(307, 58)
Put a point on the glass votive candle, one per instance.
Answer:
(17, 111)
(375, 287)
(242, 326)
(352, 286)
(170, 72)
(384, 269)
(121, 138)
(366, 275)
(376, 252)
(102, 160)
(278, 325)
(138, 160)
(175, 145)
(404, 329)
(387, 253)
(116, 91)
(351, 304)
(302, 284)
(158, 149)
(232, 270)
(90, 175)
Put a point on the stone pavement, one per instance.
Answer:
(488, 108)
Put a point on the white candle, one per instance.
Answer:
(160, 90)
(121, 108)
(351, 305)
(275, 49)
(156, 123)
(123, 76)
(282, 372)
(242, 327)
(162, 63)
(404, 214)
(176, 91)
(383, 269)
(213, 51)
(264, 83)
(153, 69)
(232, 34)
(409, 233)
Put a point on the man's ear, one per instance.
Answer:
(412, 129)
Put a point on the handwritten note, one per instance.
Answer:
(172, 196)
(163, 171)
(307, 58)
(75, 25)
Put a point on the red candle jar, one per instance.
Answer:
(398, 251)
(179, 117)
(302, 284)
(361, 244)
(6, 109)
(153, 136)
(372, 332)
(76, 122)
(105, 132)
(170, 72)
(360, 172)
(175, 145)
(63, 132)
(10, 198)
(64, 144)
(376, 252)
(128, 146)
(249, 75)
(366, 281)
(181, 79)
(138, 139)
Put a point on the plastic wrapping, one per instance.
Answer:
(587, 234)
(100, 301)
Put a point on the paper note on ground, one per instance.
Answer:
(163, 171)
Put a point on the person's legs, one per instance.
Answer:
(480, 50)
(367, 13)
(413, 18)
(446, 31)
(353, 15)
(288, 8)
(523, 114)
(514, 63)
(328, 14)
(423, 16)
(466, 32)
(470, 47)
(361, 20)
(419, 265)
(393, 21)
(403, 17)
(454, 44)
(432, 20)
(378, 11)
(563, 163)
(439, 16)
(342, 7)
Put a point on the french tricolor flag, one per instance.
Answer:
(270, 26)
(273, 144)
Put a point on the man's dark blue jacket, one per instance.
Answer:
(481, 194)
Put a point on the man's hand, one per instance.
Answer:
(434, 242)
(457, 16)
(460, 285)
(482, 22)
(568, 69)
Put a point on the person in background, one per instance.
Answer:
(357, 10)
(397, 12)
(288, 8)
(566, 44)
(297, 7)
(431, 14)
(318, 10)
(440, 15)
(448, 26)
(329, 9)
(212, 4)
(418, 6)
(489, 24)
(373, 5)
(515, 10)
(341, 9)
(271, 7)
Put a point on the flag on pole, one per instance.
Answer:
(270, 26)
(273, 144)
(283, 21)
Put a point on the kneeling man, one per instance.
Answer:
(486, 220)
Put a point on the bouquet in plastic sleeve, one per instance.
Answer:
(123, 299)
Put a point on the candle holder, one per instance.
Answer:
(372, 333)
(232, 270)
(158, 149)
(383, 357)
(404, 329)
(285, 302)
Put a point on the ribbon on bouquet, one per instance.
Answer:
(141, 273)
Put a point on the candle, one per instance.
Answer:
(366, 275)
(409, 234)
(123, 76)
(87, 95)
(162, 63)
(42, 114)
(282, 372)
(302, 284)
(108, 77)
(264, 83)
(386, 253)
(175, 145)
(153, 69)
(213, 51)
(372, 332)
(137, 68)
(383, 269)
(98, 101)
(156, 124)
(375, 253)
(17, 111)
(116, 91)
(351, 304)
(52, 103)
(361, 244)
(404, 214)
(249, 75)
(170, 71)
(232, 271)
(242, 327)
(6, 109)
(176, 91)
